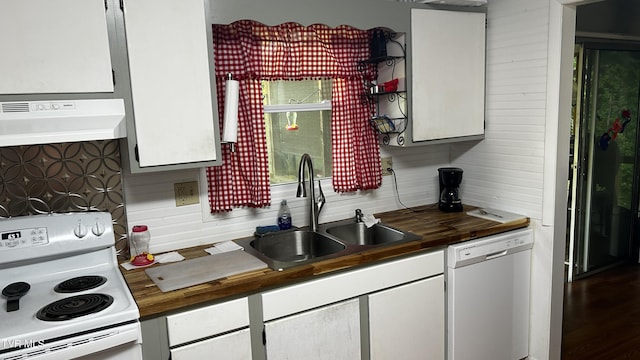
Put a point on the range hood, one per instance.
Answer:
(45, 122)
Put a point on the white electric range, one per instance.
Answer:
(63, 295)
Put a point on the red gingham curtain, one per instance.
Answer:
(252, 52)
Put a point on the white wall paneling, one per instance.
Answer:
(526, 99)
(150, 201)
(515, 167)
(506, 169)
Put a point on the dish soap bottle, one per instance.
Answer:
(284, 216)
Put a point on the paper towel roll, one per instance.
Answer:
(231, 98)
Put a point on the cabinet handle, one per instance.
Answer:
(264, 337)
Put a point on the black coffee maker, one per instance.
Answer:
(450, 179)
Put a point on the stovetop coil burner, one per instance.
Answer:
(80, 283)
(74, 306)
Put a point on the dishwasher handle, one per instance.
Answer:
(496, 254)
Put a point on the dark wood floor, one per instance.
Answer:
(602, 316)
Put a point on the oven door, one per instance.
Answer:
(122, 342)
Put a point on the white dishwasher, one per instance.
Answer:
(488, 297)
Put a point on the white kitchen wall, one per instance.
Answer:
(505, 170)
(150, 201)
(510, 167)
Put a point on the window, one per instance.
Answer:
(297, 120)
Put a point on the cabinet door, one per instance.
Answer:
(329, 332)
(232, 346)
(173, 100)
(407, 322)
(59, 46)
(448, 74)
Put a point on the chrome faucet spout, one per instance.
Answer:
(302, 191)
(314, 210)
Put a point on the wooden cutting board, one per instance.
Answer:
(495, 215)
(203, 269)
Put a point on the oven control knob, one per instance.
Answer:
(80, 231)
(97, 229)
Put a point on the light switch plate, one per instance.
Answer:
(186, 193)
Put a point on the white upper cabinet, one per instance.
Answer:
(54, 46)
(174, 102)
(448, 75)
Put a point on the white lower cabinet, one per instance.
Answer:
(407, 322)
(329, 332)
(390, 310)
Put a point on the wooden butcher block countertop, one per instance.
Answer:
(438, 229)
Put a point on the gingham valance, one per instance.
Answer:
(252, 52)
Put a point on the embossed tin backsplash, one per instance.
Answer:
(65, 177)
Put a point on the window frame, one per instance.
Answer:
(280, 108)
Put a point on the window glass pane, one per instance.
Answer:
(286, 146)
(296, 92)
(292, 133)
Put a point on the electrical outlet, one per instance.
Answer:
(387, 163)
(186, 193)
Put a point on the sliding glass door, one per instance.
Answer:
(605, 159)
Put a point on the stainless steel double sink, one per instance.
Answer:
(285, 249)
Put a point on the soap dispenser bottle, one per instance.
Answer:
(284, 216)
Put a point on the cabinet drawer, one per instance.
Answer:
(233, 346)
(207, 321)
(330, 289)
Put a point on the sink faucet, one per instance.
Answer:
(315, 205)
